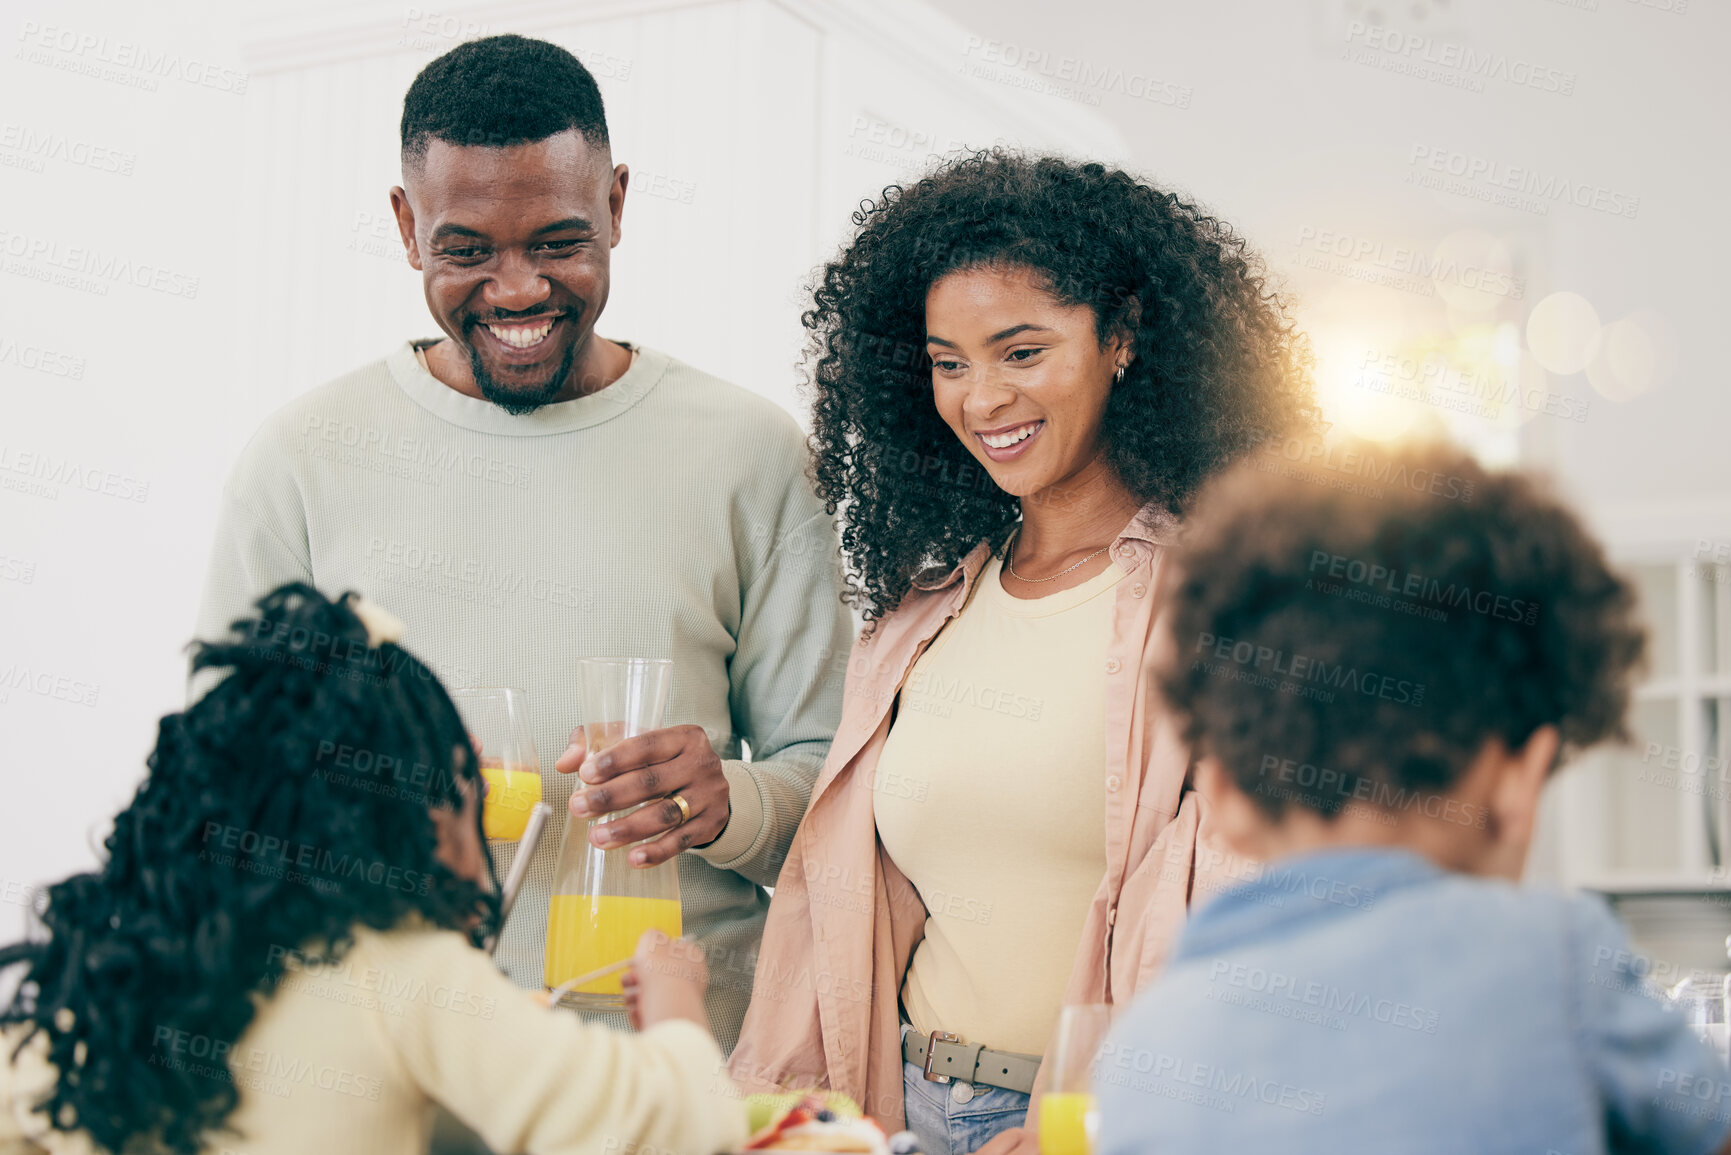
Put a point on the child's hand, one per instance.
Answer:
(666, 980)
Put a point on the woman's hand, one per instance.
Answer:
(666, 980)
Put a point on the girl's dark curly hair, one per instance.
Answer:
(244, 847)
(1218, 366)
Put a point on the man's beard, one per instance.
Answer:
(518, 401)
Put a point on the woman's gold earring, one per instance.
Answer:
(1118, 377)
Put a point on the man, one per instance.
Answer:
(524, 492)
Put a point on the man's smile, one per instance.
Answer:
(522, 336)
(520, 341)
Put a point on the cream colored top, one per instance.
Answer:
(990, 798)
(351, 1057)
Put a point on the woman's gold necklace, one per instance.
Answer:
(1009, 562)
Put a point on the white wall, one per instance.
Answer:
(1301, 121)
(743, 121)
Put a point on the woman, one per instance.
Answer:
(278, 954)
(1024, 367)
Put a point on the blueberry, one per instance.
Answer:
(826, 1116)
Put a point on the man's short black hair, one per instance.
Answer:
(1358, 621)
(500, 91)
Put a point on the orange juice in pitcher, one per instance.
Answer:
(601, 904)
(585, 934)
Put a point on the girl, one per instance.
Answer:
(279, 953)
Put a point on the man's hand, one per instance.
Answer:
(1015, 1141)
(677, 760)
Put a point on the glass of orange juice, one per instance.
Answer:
(602, 904)
(1068, 1114)
(497, 718)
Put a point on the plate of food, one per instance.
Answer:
(824, 1122)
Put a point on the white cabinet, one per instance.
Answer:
(753, 129)
(1655, 815)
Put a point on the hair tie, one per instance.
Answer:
(382, 625)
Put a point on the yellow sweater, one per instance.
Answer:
(351, 1057)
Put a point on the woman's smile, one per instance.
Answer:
(1008, 442)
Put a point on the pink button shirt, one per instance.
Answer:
(844, 922)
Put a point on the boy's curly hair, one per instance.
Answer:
(1386, 632)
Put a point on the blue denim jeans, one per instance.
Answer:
(957, 1118)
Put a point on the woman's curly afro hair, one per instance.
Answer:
(1217, 363)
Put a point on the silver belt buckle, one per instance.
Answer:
(932, 1042)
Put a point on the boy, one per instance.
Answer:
(1378, 680)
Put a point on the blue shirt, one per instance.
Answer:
(1365, 1001)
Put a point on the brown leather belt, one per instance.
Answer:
(946, 1059)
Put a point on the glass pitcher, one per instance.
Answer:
(601, 904)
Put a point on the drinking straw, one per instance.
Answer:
(520, 867)
(560, 991)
